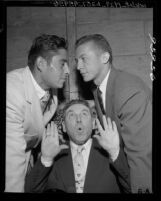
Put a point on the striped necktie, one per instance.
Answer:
(44, 101)
(99, 104)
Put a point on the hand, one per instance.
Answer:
(109, 137)
(50, 142)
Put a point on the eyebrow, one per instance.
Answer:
(64, 60)
(84, 110)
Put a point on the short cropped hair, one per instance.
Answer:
(45, 45)
(76, 101)
(99, 40)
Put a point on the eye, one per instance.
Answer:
(85, 114)
(71, 115)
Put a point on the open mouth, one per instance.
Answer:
(80, 129)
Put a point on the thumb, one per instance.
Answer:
(63, 146)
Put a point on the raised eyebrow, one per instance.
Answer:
(85, 110)
(70, 111)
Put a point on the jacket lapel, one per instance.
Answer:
(96, 167)
(110, 92)
(33, 114)
(67, 171)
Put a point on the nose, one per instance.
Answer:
(78, 119)
(79, 65)
(66, 69)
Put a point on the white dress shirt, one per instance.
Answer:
(85, 152)
(102, 88)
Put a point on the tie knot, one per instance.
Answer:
(80, 149)
(46, 97)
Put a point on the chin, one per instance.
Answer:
(87, 79)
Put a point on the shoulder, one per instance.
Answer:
(124, 79)
(125, 82)
(15, 86)
(127, 86)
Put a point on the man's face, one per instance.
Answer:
(88, 59)
(55, 71)
(78, 123)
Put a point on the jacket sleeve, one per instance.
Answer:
(122, 172)
(135, 118)
(37, 180)
(15, 142)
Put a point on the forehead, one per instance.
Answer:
(86, 48)
(60, 54)
(77, 108)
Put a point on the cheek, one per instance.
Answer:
(70, 127)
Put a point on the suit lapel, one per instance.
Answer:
(34, 117)
(67, 171)
(96, 167)
(110, 92)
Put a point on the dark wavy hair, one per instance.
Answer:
(45, 46)
(99, 40)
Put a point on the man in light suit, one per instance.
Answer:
(89, 165)
(26, 114)
(126, 100)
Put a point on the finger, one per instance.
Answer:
(99, 126)
(63, 146)
(56, 133)
(61, 138)
(48, 130)
(52, 129)
(44, 134)
(109, 123)
(114, 126)
(105, 122)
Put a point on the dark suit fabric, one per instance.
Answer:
(100, 175)
(129, 104)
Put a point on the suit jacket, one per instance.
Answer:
(24, 125)
(129, 104)
(102, 176)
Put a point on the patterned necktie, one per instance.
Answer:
(44, 101)
(99, 104)
(79, 170)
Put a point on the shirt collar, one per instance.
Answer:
(40, 92)
(103, 85)
(86, 145)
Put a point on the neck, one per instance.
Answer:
(38, 79)
(101, 76)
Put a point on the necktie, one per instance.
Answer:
(99, 104)
(79, 170)
(44, 101)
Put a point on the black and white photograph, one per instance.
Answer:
(79, 96)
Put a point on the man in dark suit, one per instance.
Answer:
(126, 100)
(89, 165)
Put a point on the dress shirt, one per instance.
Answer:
(85, 152)
(102, 88)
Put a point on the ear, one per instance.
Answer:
(93, 123)
(63, 126)
(40, 63)
(105, 57)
